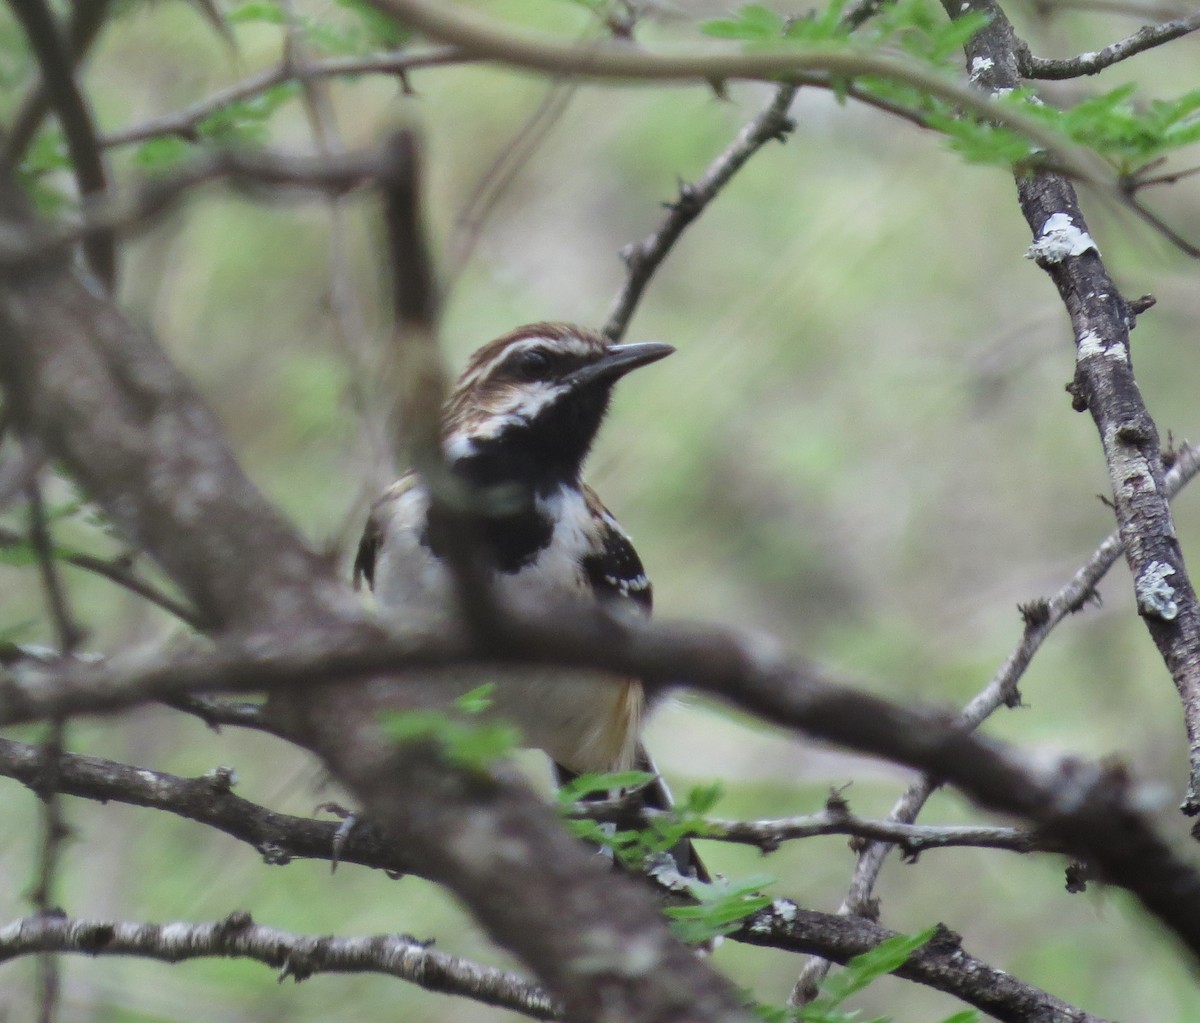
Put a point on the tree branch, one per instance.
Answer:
(1145, 38)
(185, 123)
(1105, 385)
(644, 258)
(296, 956)
(835, 819)
(941, 963)
(280, 838)
(58, 82)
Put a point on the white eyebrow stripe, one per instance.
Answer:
(570, 345)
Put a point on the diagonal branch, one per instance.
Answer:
(1104, 384)
(58, 82)
(644, 258)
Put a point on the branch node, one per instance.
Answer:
(1078, 393)
(221, 779)
(1035, 613)
(237, 921)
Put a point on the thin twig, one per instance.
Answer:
(836, 819)
(68, 632)
(1041, 617)
(156, 196)
(499, 175)
(120, 571)
(644, 258)
(185, 123)
(279, 838)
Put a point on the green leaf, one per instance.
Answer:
(965, 1016)
(260, 12)
(702, 798)
(721, 907)
(161, 154)
(753, 23)
(378, 29)
(246, 121)
(473, 745)
(590, 784)
(477, 700)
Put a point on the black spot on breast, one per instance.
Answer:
(511, 542)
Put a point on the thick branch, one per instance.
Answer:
(293, 955)
(1105, 385)
(1090, 809)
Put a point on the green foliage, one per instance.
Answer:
(47, 155)
(722, 906)
(757, 24)
(245, 122)
(374, 30)
(471, 744)
(162, 154)
(1126, 134)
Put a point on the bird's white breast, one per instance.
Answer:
(585, 721)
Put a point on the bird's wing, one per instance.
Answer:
(373, 533)
(612, 566)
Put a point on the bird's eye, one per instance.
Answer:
(532, 364)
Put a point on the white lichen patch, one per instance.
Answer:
(979, 65)
(1127, 467)
(1058, 239)
(1156, 596)
(1092, 344)
(785, 909)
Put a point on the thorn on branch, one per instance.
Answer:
(237, 921)
(1036, 613)
(1139, 305)
(1077, 877)
(944, 940)
(1107, 501)
(836, 803)
(688, 204)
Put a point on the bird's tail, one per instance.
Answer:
(655, 795)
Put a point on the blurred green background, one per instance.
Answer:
(862, 447)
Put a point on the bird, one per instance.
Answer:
(523, 416)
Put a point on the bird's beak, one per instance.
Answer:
(619, 360)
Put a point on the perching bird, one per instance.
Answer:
(523, 416)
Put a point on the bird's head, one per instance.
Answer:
(528, 406)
